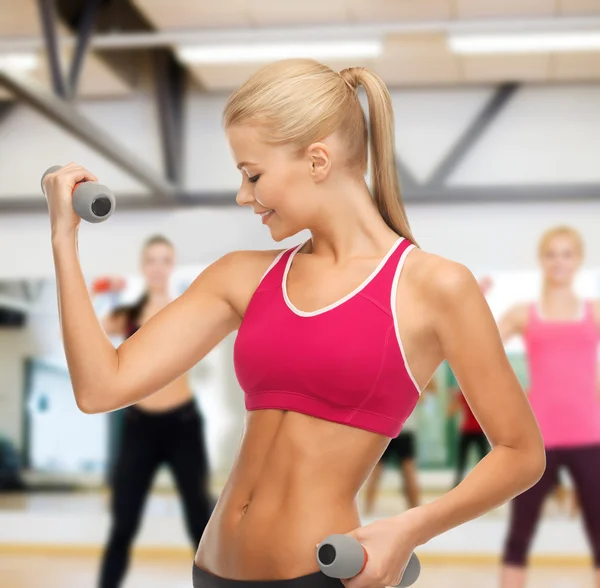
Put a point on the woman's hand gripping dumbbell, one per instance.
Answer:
(73, 193)
(342, 556)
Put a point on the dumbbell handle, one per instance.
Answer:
(342, 556)
(92, 201)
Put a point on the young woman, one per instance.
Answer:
(337, 338)
(165, 428)
(561, 334)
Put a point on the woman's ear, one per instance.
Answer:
(319, 158)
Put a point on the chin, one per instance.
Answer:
(159, 285)
(280, 234)
(562, 280)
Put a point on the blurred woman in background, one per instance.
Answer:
(401, 452)
(561, 334)
(470, 433)
(165, 428)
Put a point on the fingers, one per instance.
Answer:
(355, 582)
(69, 175)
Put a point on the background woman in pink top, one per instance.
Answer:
(561, 334)
(336, 338)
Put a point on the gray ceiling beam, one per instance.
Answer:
(169, 82)
(476, 195)
(85, 26)
(504, 194)
(472, 134)
(68, 117)
(47, 14)
(6, 107)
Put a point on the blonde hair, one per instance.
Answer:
(157, 240)
(559, 231)
(300, 101)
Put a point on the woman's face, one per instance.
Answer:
(158, 261)
(560, 260)
(276, 182)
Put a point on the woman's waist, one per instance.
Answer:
(173, 396)
(184, 407)
(272, 537)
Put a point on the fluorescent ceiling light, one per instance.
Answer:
(258, 53)
(18, 61)
(525, 42)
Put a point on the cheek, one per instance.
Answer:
(271, 190)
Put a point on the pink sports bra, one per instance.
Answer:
(343, 363)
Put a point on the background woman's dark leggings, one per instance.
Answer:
(583, 464)
(175, 438)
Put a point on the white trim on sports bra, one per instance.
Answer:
(273, 264)
(395, 314)
(354, 292)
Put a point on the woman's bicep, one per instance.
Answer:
(172, 341)
(471, 343)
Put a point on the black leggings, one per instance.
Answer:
(204, 579)
(465, 442)
(176, 438)
(583, 464)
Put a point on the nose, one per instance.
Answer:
(244, 197)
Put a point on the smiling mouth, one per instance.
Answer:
(265, 215)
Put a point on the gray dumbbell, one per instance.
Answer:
(92, 201)
(343, 557)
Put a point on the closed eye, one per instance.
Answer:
(254, 179)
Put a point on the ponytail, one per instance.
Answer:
(385, 187)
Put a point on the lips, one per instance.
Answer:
(265, 215)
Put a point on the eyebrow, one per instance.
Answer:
(244, 164)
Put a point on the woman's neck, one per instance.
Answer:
(559, 302)
(158, 297)
(558, 294)
(351, 226)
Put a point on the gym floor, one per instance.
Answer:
(75, 571)
(54, 541)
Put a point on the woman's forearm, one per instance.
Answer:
(91, 357)
(504, 473)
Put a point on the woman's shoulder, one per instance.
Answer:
(236, 275)
(438, 278)
(248, 262)
(444, 280)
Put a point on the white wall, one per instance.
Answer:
(30, 143)
(486, 236)
(546, 134)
